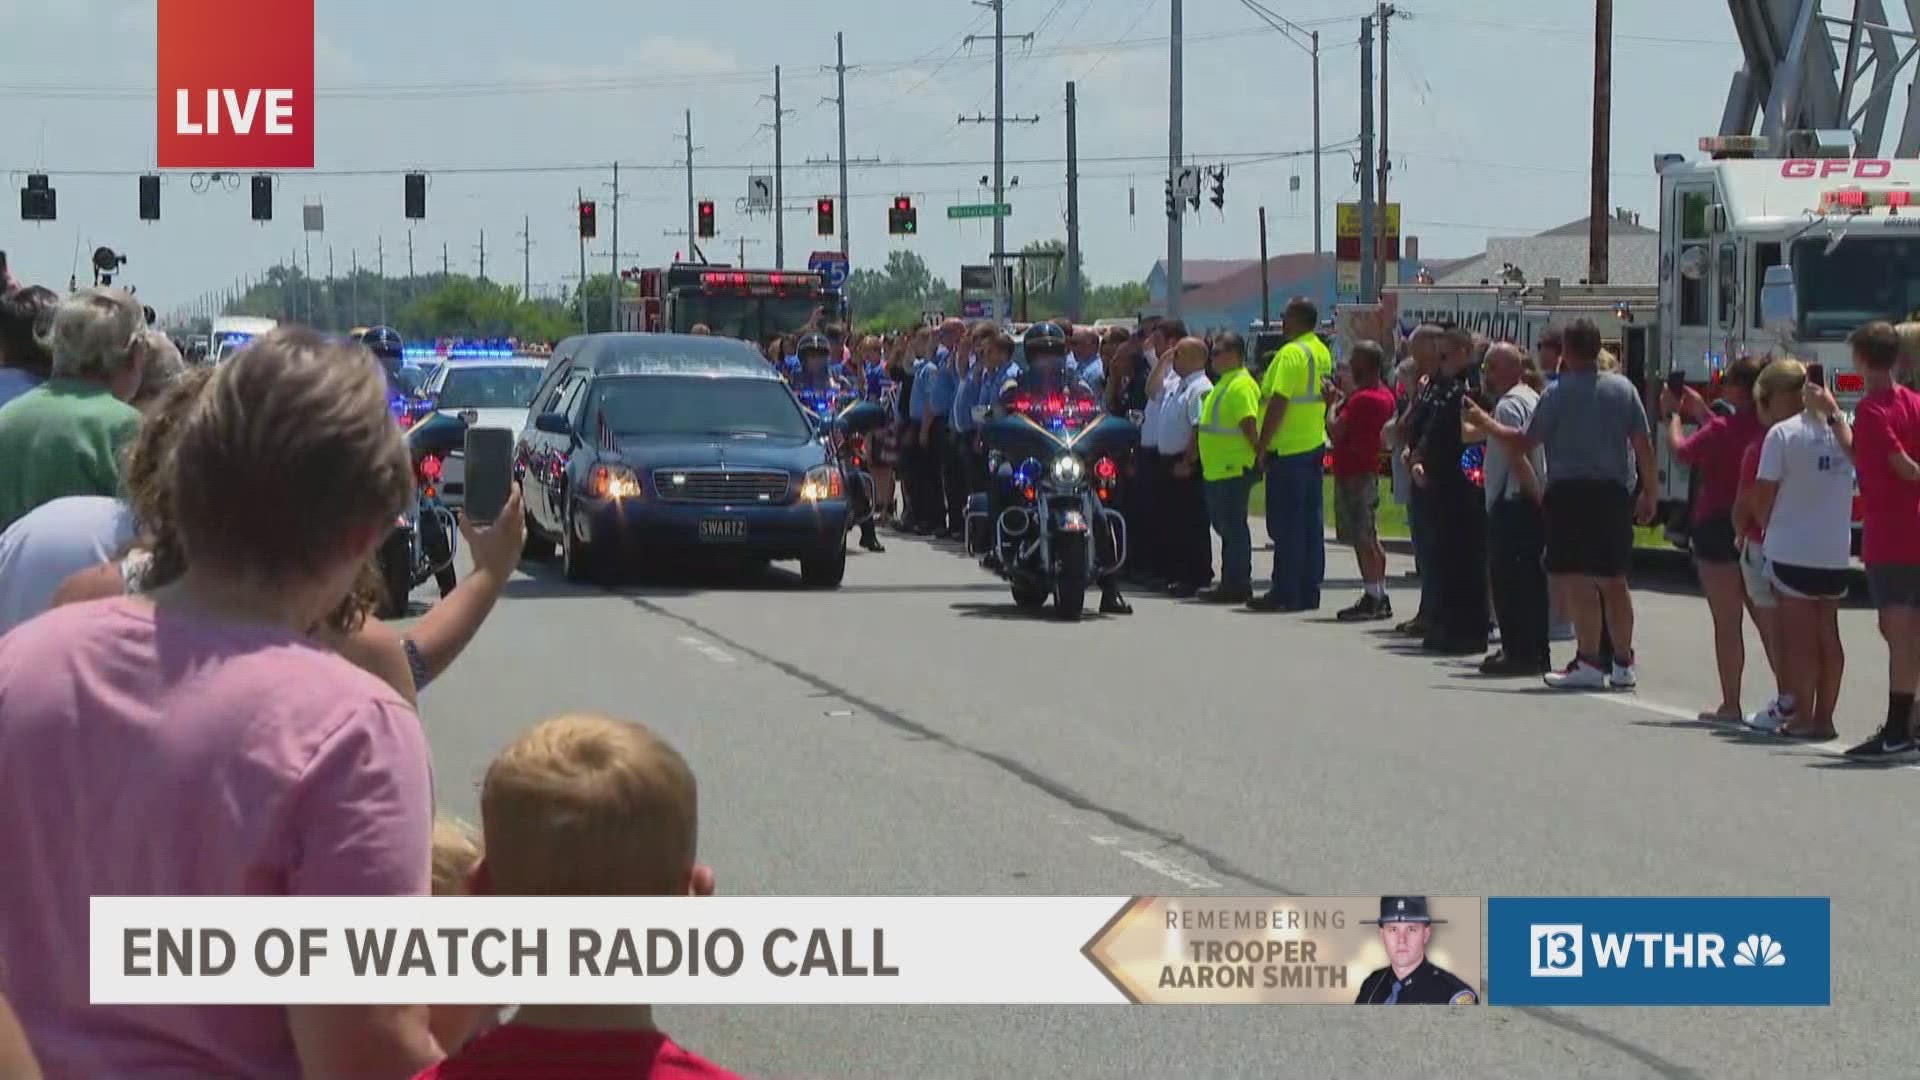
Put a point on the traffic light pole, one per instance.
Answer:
(580, 197)
(846, 212)
(779, 185)
(613, 259)
(1176, 257)
(1073, 205)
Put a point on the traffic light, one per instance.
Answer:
(150, 198)
(1220, 188)
(416, 196)
(706, 219)
(37, 199)
(262, 197)
(903, 219)
(587, 219)
(823, 211)
(1173, 200)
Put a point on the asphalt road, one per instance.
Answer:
(913, 733)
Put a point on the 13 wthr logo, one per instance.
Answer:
(1666, 951)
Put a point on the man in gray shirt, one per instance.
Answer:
(1516, 526)
(1594, 429)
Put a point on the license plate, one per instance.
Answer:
(723, 529)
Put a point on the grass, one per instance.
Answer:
(1392, 517)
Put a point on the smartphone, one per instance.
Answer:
(1676, 381)
(1817, 374)
(488, 473)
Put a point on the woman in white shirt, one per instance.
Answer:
(1803, 497)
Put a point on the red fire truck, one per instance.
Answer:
(753, 305)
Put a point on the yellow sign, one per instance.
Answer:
(1347, 220)
(1367, 950)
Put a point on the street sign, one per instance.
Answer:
(980, 210)
(759, 193)
(976, 309)
(1347, 239)
(832, 265)
(1186, 183)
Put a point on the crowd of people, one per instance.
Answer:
(194, 698)
(195, 701)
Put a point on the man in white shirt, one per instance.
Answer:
(1189, 538)
(1516, 525)
(1147, 514)
(1086, 362)
(51, 543)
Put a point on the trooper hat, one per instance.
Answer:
(1400, 909)
(813, 342)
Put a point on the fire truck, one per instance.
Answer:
(753, 305)
(1779, 246)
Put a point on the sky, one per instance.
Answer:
(513, 108)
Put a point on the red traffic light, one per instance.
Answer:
(903, 203)
(826, 206)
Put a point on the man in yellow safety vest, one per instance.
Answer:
(1228, 431)
(1293, 443)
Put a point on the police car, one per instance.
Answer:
(487, 386)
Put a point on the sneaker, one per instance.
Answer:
(1768, 720)
(1625, 676)
(1366, 609)
(1577, 675)
(1383, 609)
(1886, 746)
(1414, 627)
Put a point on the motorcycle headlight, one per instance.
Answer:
(822, 482)
(1068, 469)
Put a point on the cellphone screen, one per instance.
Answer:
(1817, 374)
(1676, 380)
(489, 472)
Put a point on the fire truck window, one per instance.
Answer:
(1693, 287)
(1693, 215)
(1728, 266)
(1764, 256)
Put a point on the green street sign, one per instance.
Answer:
(980, 210)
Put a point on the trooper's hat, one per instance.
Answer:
(1395, 909)
(813, 343)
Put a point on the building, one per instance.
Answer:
(1232, 302)
(1195, 274)
(1633, 256)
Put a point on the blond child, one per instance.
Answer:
(583, 805)
(456, 855)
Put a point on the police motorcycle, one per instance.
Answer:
(1044, 526)
(425, 537)
(844, 420)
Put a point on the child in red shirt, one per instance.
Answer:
(585, 805)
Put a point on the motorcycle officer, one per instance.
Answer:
(822, 390)
(1045, 373)
(386, 345)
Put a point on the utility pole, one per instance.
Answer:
(613, 283)
(846, 211)
(1002, 302)
(381, 255)
(526, 257)
(354, 253)
(1387, 13)
(1073, 206)
(694, 253)
(1599, 214)
(409, 255)
(1311, 43)
(779, 177)
(1176, 110)
(1369, 227)
(483, 254)
(446, 264)
(1266, 290)
(580, 294)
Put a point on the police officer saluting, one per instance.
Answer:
(1045, 373)
(1409, 977)
(822, 390)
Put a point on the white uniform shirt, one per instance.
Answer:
(1158, 400)
(56, 540)
(1182, 412)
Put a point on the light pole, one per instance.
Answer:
(1309, 43)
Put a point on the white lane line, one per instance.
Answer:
(712, 652)
(1692, 719)
(1171, 870)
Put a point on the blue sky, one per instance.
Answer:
(1489, 126)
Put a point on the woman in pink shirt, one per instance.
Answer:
(196, 742)
(1714, 451)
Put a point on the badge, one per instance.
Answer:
(1464, 997)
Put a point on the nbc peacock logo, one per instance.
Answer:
(1759, 950)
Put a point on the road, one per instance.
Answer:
(913, 734)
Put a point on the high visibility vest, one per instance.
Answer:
(1294, 377)
(1224, 450)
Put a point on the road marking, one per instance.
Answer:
(1169, 869)
(1692, 718)
(711, 651)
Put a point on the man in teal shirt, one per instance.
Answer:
(69, 435)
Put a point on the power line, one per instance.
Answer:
(1572, 32)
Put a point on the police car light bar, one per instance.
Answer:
(1862, 199)
(753, 279)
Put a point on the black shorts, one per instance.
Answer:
(1810, 582)
(1589, 528)
(1894, 585)
(1712, 540)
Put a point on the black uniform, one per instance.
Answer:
(1424, 985)
(1456, 520)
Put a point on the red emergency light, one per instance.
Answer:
(747, 279)
(1862, 199)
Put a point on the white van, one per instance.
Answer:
(231, 334)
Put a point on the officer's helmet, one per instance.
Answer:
(813, 346)
(1045, 339)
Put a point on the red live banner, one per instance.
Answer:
(235, 84)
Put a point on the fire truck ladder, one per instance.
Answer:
(1805, 68)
